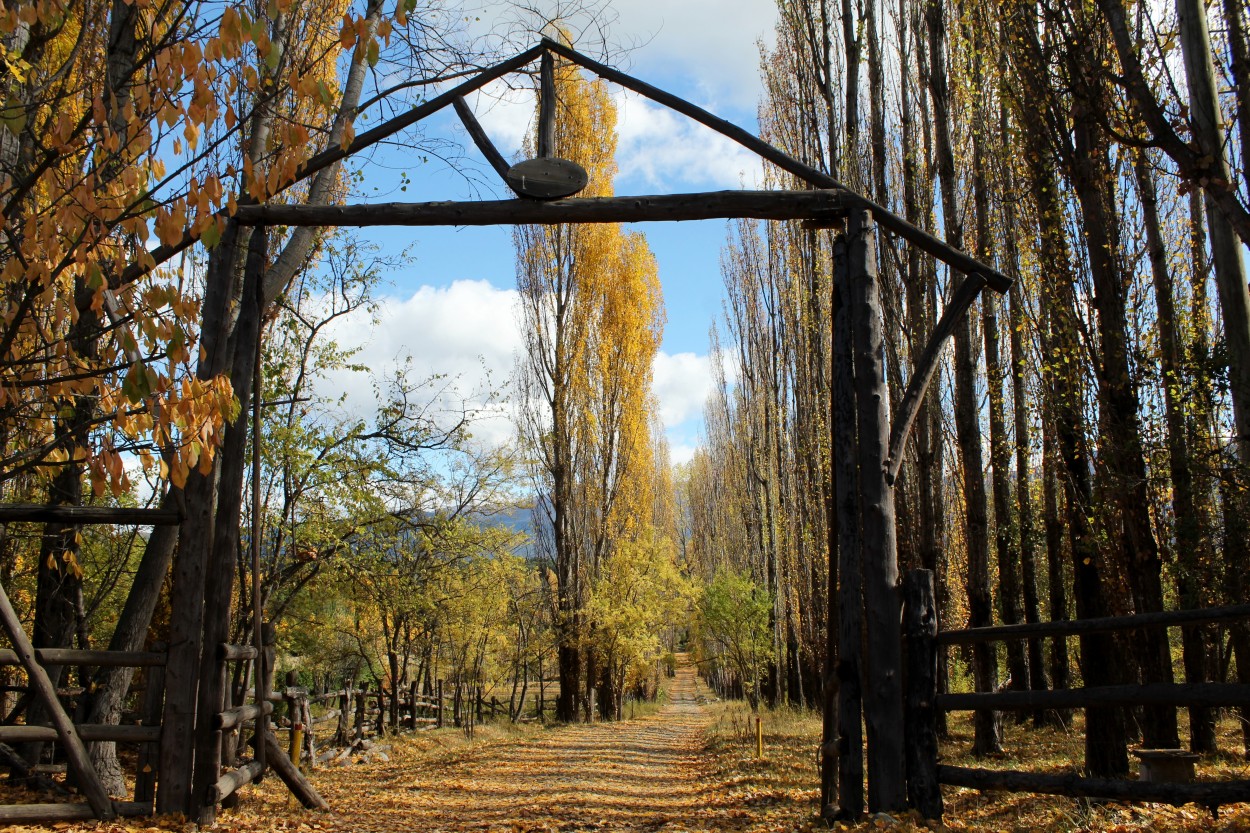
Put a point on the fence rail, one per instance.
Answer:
(925, 704)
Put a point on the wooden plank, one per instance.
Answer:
(761, 205)
(479, 137)
(1210, 695)
(121, 515)
(547, 178)
(89, 733)
(916, 236)
(35, 813)
(75, 752)
(71, 656)
(1204, 794)
(1105, 624)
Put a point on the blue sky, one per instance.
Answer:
(452, 308)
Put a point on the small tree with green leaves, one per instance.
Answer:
(733, 624)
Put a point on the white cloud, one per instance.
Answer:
(465, 332)
(682, 382)
(662, 150)
(709, 44)
(469, 332)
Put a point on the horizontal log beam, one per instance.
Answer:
(35, 813)
(1107, 624)
(1206, 795)
(88, 732)
(73, 656)
(121, 515)
(1206, 695)
(239, 715)
(234, 653)
(761, 205)
(229, 783)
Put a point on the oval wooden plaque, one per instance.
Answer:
(547, 178)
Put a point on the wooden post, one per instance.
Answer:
(149, 753)
(920, 731)
(310, 738)
(290, 775)
(293, 716)
(439, 695)
(759, 736)
(412, 706)
(359, 730)
(75, 752)
(883, 692)
(345, 704)
(269, 636)
(547, 106)
(849, 752)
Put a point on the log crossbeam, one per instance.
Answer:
(762, 205)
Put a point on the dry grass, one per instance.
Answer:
(786, 780)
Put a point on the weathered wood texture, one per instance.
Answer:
(234, 653)
(88, 733)
(36, 813)
(762, 205)
(850, 743)
(920, 620)
(1206, 795)
(547, 178)
(121, 515)
(237, 716)
(149, 754)
(1154, 694)
(228, 783)
(547, 105)
(75, 752)
(1105, 624)
(73, 656)
(883, 690)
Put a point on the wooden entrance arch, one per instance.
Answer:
(868, 444)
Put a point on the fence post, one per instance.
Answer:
(293, 716)
(345, 705)
(920, 715)
(412, 705)
(358, 730)
(149, 753)
(439, 689)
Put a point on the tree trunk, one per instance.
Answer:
(1190, 544)
(967, 424)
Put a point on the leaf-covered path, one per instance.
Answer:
(644, 774)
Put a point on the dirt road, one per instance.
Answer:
(640, 775)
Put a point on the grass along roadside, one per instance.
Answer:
(782, 789)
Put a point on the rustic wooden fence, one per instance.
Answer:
(924, 702)
(144, 730)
